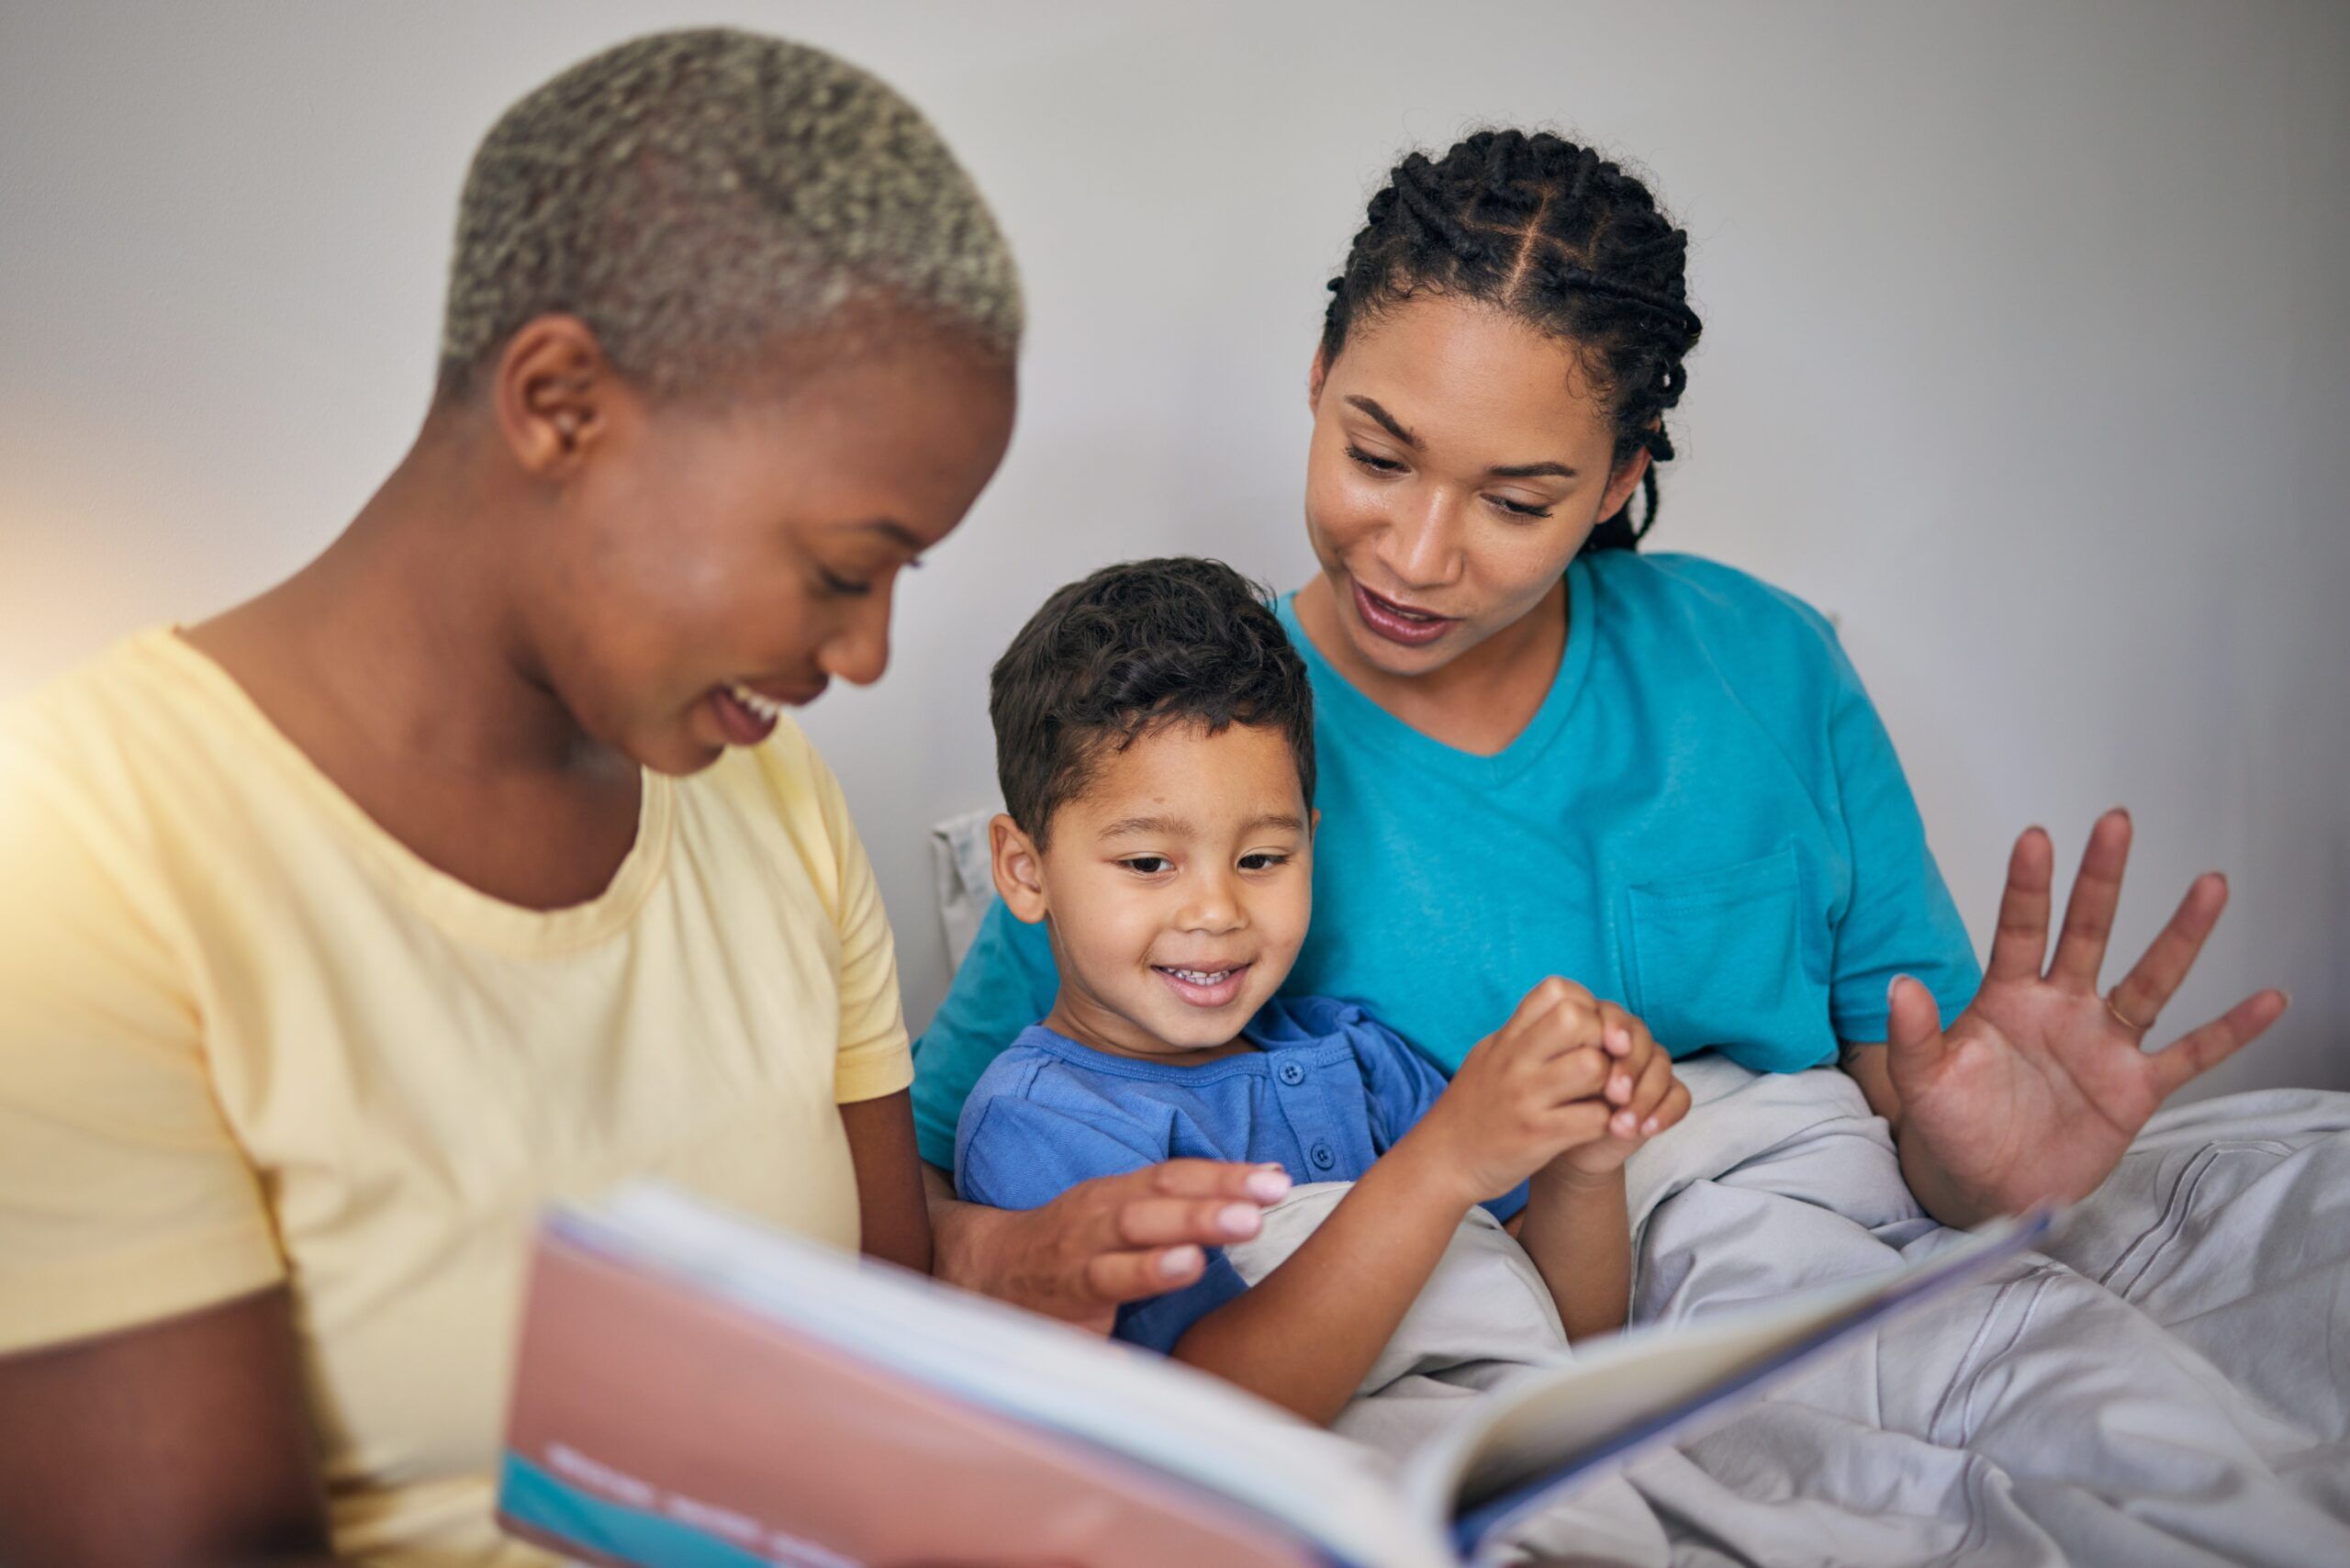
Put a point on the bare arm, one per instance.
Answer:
(1304, 1334)
(893, 1211)
(187, 1443)
(1102, 1243)
(1577, 1223)
(1578, 1230)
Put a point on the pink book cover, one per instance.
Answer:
(655, 1425)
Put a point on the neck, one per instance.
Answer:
(405, 632)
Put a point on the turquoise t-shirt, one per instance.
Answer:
(1704, 821)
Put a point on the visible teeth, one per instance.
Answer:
(1200, 977)
(766, 708)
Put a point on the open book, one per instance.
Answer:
(695, 1390)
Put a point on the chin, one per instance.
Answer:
(676, 749)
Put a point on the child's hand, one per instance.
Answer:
(1644, 1095)
(1533, 1088)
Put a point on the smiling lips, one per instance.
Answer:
(1397, 622)
(1205, 988)
(747, 716)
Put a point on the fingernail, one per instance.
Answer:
(1892, 986)
(1618, 1041)
(1621, 1123)
(1267, 1185)
(1649, 1126)
(1238, 1219)
(1180, 1262)
(2286, 994)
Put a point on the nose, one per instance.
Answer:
(1422, 545)
(1211, 904)
(858, 650)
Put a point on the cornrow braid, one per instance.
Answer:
(1560, 237)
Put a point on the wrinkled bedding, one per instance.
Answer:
(2168, 1383)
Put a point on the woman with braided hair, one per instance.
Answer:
(1545, 753)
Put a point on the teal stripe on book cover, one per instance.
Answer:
(530, 1495)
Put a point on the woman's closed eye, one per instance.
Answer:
(848, 587)
(1378, 464)
(1518, 508)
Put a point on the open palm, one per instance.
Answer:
(2033, 1094)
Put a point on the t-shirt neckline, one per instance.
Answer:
(456, 906)
(1366, 717)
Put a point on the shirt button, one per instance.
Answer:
(1292, 1074)
(1320, 1156)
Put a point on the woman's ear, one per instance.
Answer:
(1019, 869)
(556, 395)
(1622, 482)
(1315, 374)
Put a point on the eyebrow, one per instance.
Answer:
(1126, 827)
(1177, 827)
(1394, 427)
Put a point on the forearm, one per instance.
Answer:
(1305, 1335)
(1578, 1230)
(957, 1252)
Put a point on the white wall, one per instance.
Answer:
(2026, 352)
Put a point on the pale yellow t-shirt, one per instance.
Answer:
(246, 1036)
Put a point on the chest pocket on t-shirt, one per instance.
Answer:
(1725, 957)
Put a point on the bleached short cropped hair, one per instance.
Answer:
(697, 197)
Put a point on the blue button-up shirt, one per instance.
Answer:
(1328, 1090)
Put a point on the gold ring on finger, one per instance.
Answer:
(2123, 1018)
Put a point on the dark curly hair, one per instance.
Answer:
(1557, 236)
(1126, 651)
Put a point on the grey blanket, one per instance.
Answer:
(2168, 1384)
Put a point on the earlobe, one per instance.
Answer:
(1017, 869)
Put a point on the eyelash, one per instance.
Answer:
(1387, 465)
(1267, 860)
(841, 585)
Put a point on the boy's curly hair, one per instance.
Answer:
(1126, 651)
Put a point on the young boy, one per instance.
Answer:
(1155, 743)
